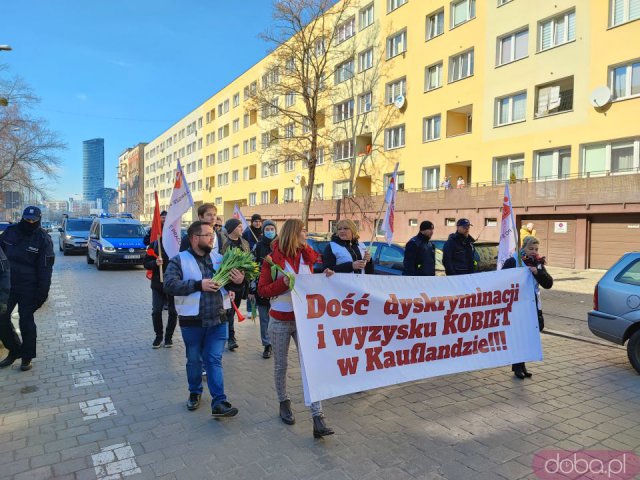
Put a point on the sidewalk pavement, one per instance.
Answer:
(100, 403)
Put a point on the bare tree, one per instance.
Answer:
(295, 90)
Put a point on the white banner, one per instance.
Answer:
(508, 234)
(358, 332)
(181, 201)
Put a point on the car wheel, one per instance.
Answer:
(633, 350)
(99, 264)
(89, 261)
(65, 252)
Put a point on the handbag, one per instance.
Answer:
(540, 320)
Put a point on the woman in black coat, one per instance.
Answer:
(344, 254)
(261, 250)
(535, 263)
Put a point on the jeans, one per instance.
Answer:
(231, 313)
(157, 303)
(27, 347)
(263, 312)
(205, 345)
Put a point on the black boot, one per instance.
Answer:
(267, 352)
(9, 360)
(25, 365)
(285, 412)
(320, 428)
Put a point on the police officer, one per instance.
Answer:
(458, 253)
(30, 253)
(420, 253)
(5, 282)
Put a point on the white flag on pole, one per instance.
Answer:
(181, 201)
(390, 200)
(238, 214)
(508, 235)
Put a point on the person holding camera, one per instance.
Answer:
(535, 263)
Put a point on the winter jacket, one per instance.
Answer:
(5, 278)
(329, 259)
(420, 257)
(458, 254)
(251, 237)
(150, 264)
(261, 250)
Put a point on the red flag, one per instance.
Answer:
(156, 232)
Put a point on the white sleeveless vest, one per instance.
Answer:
(284, 303)
(189, 306)
(341, 253)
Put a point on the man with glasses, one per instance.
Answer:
(217, 226)
(30, 252)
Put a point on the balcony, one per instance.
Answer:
(553, 98)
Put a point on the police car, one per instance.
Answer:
(115, 241)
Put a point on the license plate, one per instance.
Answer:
(131, 257)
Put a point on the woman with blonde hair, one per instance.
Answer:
(291, 252)
(345, 254)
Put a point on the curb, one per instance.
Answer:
(593, 341)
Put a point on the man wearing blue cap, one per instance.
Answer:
(458, 253)
(30, 253)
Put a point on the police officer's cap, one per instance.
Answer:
(464, 222)
(31, 213)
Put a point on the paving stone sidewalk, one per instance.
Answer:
(101, 404)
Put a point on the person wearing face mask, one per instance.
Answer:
(344, 254)
(530, 259)
(30, 252)
(420, 253)
(261, 250)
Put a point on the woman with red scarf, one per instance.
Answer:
(291, 252)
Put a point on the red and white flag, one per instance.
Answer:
(390, 200)
(156, 232)
(181, 201)
(508, 234)
(238, 214)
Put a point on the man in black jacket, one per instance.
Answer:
(234, 239)
(458, 253)
(420, 253)
(253, 233)
(30, 252)
(5, 282)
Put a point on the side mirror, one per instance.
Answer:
(60, 230)
(93, 236)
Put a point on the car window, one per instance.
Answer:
(631, 274)
(390, 256)
(79, 225)
(372, 250)
(117, 230)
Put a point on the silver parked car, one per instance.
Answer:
(616, 306)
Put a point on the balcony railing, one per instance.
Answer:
(566, 104)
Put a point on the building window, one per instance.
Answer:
(341, 189)
(274, 167)
(265, 140)
(461, 66)
(320, 157)
(397, 44)
(555, 97)
(245, 174)
(510, 109)
(433, 77)
(236, 100)
(235, 151)
(289, 130)
(462, 11)
(557, 30)
(252, 199)
(395, 88)
(345, 30)
(289, 164)
(431, 128)
(364, 102)
(614, 157)
(512, 47)
(264, 197)
(490, 222)
(318, 191)
(234, 176)
(245, 147)
(365, 60)
(366, 16)
(552, 164)
(435, 24)
(343, 111)
(394, 137)
(236, 125)
(623, 11)
(265, 169)
(399, 179)
(288, 194)
(430, 178)
(344, 71)
(289, 99)
(253, 144)
(393, 4)
(508, 169)
(343, 150)
(624, 80)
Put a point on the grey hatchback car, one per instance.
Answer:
(616, 306)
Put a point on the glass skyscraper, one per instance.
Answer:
(92, 168)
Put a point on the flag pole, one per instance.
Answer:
(160, 253)
(384, 202)
(516, 232)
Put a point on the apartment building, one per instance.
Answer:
(131, 180)
(486, 92)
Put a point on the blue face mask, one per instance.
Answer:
(270, 235)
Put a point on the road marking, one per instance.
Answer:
(98, 408)
(80, 354)
(115, 461)
(67, 324)
(72, 337)
(86, 379)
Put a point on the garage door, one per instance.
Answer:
(611, 237)
(557, 239)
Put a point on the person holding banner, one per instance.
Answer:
(201, 304)
(344, 254)
(530, 259)
(290, 255)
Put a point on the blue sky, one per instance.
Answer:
(125, 70)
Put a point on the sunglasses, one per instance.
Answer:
(216, 225)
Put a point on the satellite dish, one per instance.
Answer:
(297, 179)
(600, 97)
(400, 101)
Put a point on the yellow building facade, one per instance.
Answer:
(490, 91)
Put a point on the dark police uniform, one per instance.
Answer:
(5, 281)
(30, 253)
